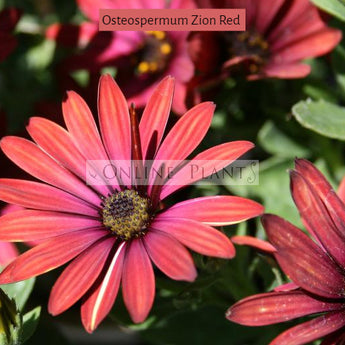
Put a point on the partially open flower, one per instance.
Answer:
(141, 59)
(316, 266)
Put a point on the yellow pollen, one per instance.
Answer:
(143, 67)
(160, 35)
(153, 66)
(165, 48)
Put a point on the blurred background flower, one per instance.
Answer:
(140, 58)
(279, 36)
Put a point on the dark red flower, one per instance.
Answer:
(280, 35)
(8, 20)
(141, 59)
(315, 264)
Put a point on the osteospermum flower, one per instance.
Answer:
(280, 34)
(111, 232)
(141, 59)
(315, 265)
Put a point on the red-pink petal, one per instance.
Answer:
(43, 197)
(286, 71)
(215, 210)
(316, 44)
(170, 256)
(99, 301)
(155, 117)
(341, 190)
(316, 216)
(82, 127)
(312, 330)
(197, 236)
(253, 242)
(302, 260)
(33, 160)
(274, 307)
(31, 225)
(265, 13)
(49, 255)
(79, 275)
(57, 142)
(138, 281)
(8, 252)
(209, 162)
(319, 184)
(114, 119)
(185, 136)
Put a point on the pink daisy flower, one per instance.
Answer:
(113, 233)
(315, 264)
(280, 35)
(142, 59)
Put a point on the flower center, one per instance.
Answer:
(126, 214)
(155, 53)
(248, 44)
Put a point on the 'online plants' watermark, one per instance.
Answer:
(172, 172)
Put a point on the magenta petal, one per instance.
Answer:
(312, 330)
(215, 210)
(79, 275)
(33, 160)
(274, 307)
(176, 263)
(43, 197)
(317, 217)
(49, 255)
(302, 260)
(209, 162)
(99, 301)
(138, 281)
(197, 236)
(31, 225)
(155, 117)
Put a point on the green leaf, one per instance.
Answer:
(338, 61)
(276, 142)
(19, 291)
(325, 118)
(335, 7)
(30, 322)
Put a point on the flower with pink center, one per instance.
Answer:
(279, 36)
(141, 59)
(315, 264)
(114, 232)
